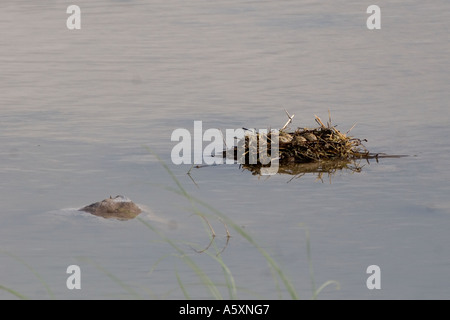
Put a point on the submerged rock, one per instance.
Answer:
(118, 208)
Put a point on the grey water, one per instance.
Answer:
(84, 112)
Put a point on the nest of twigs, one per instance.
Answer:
(305, 145)
(325, 142)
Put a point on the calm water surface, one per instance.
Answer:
(78, 109)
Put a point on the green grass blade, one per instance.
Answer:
(229, 279)
(13, 292)
(277, 283)
(287, 283)
(156, 263)
(186, 259)
(122, 284)
(326, 284)
(174, 178)
(183, 289)
(310, 266)
(34, 272)
(236, 227)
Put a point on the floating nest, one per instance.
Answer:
(304, 145)
(325, 142)
(318, 151)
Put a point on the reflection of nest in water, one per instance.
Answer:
(318, 168)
